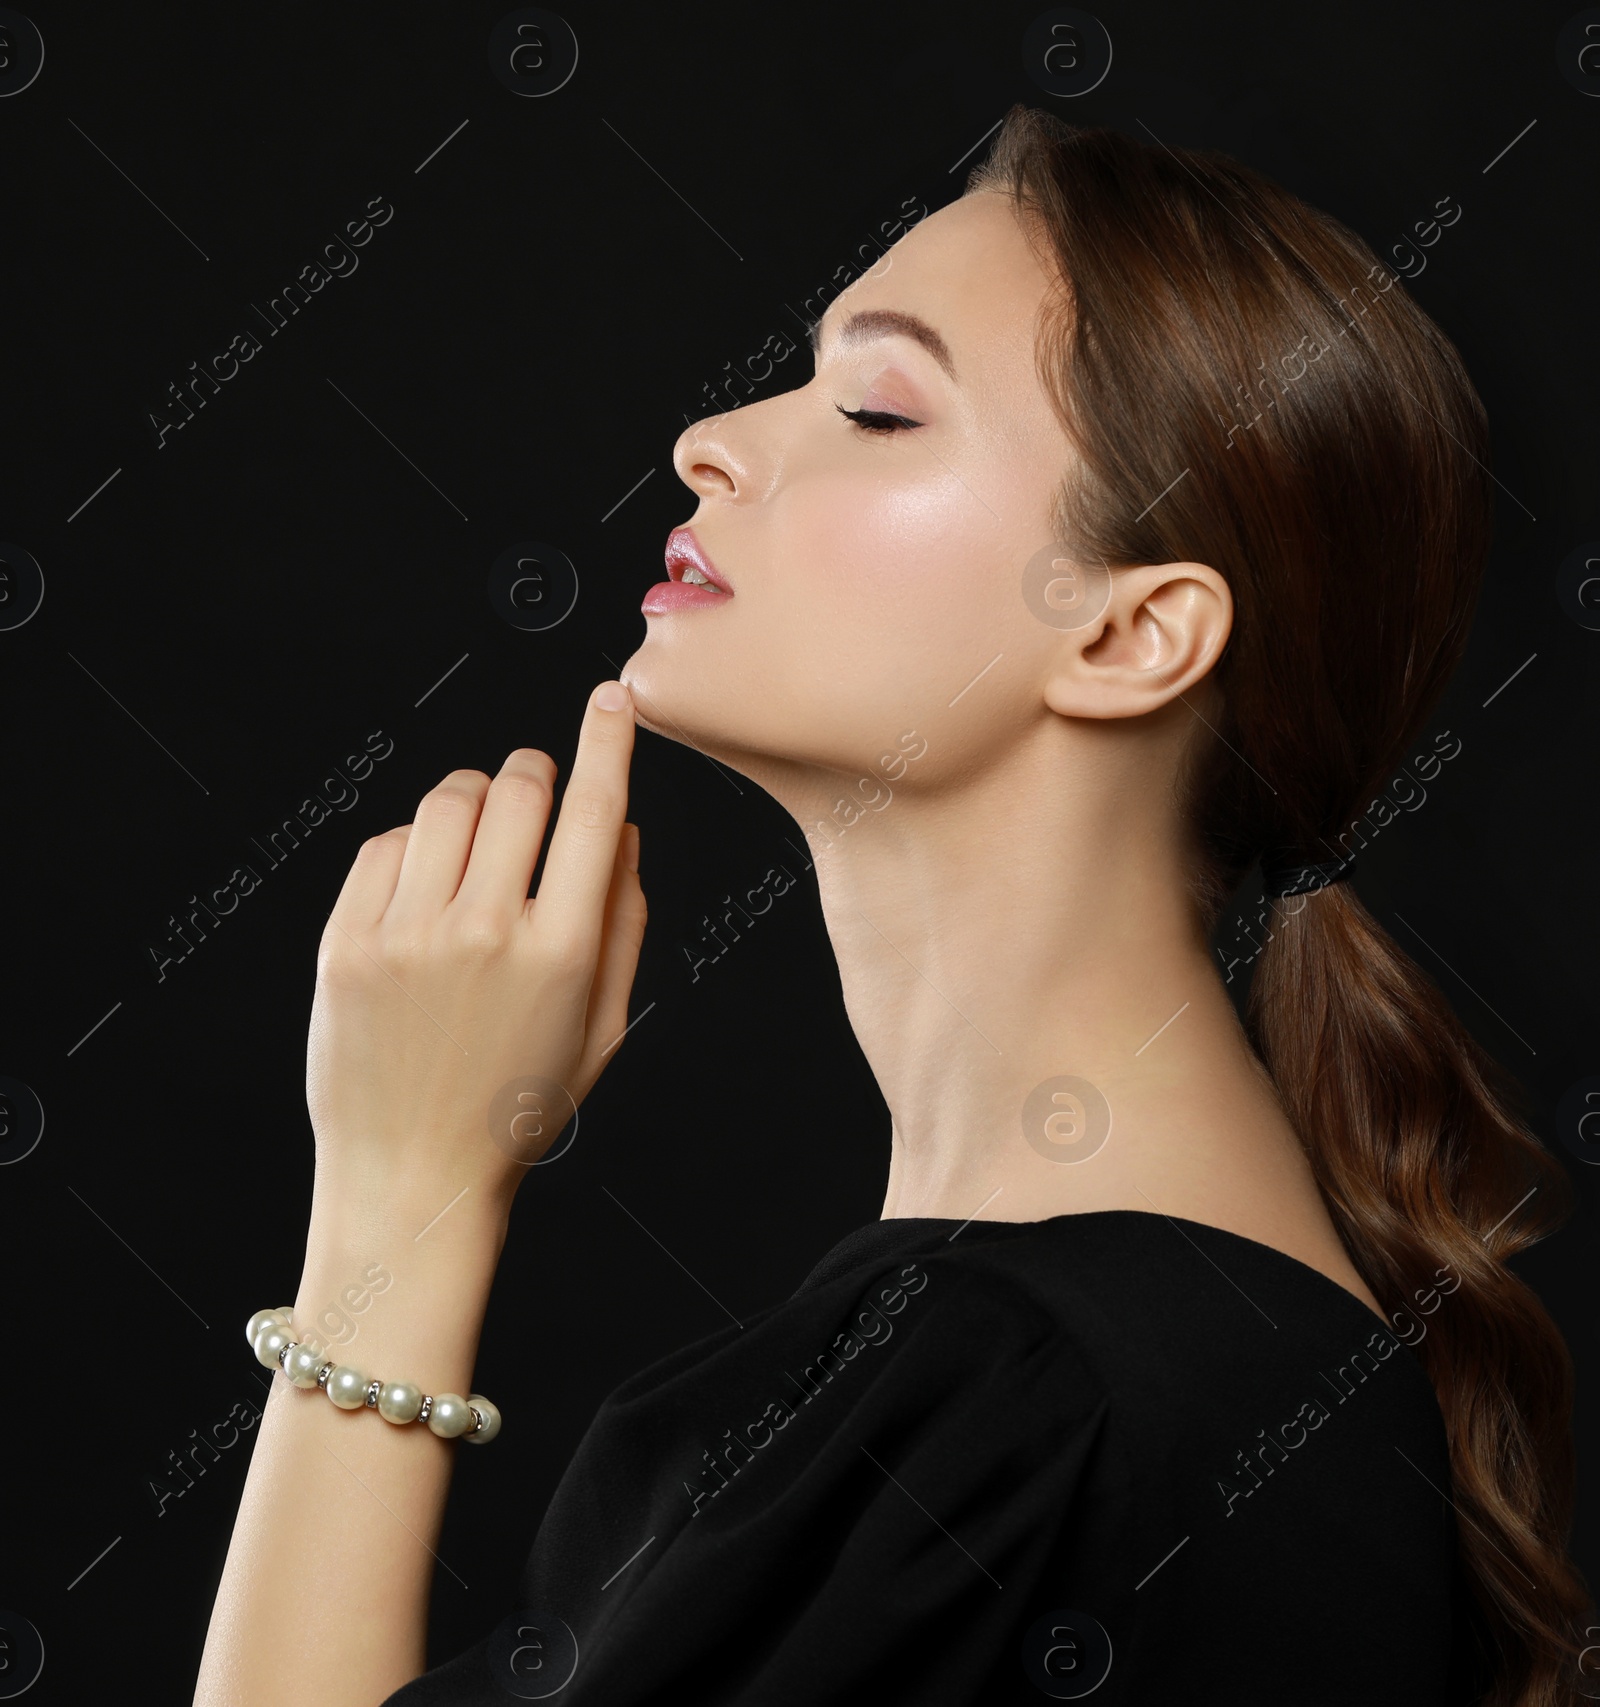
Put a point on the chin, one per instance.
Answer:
(669, 693)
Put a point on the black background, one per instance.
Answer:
(294, 570)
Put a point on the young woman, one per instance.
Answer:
(1126, 534)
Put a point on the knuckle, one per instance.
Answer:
(399, 950)
(567, 956)
(481, 933)
(532, 759)
(341, 962)
(332, 956)
(450, 800)
(524, 788)
(593, 810)
(373, 846)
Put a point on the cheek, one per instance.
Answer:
(897, 556)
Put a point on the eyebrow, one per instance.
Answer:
(885, 322)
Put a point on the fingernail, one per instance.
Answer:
(611, 696)
(630, 846)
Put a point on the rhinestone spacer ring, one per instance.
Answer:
(448, 1415)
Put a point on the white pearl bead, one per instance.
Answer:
(491, 1419)
(270, 1341)
(449, 1416)
(260, 1319)
(347, 1387)
(399, 1401)
(302, 1364)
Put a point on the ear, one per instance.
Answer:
(1163, 628)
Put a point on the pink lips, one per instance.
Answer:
(683, 551)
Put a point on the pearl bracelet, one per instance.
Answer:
(448, 1415)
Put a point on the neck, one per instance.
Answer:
(1009, 931)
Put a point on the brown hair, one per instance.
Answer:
(1318, 442)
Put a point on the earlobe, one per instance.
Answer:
(1163, 629)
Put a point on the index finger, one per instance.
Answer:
(569, 908)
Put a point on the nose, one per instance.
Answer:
(712, 457)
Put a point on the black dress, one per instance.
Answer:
(1114, 1455)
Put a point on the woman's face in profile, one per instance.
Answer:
(875, 574)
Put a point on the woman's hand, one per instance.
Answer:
(440, 984)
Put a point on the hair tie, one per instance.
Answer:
(1292, 876)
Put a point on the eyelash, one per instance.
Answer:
(876, 420)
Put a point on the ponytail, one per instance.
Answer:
(1433, 1183)
(1245, 385)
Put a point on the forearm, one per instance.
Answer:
(450, 1010)
(324, 1595)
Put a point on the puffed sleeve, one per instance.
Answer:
(856, 1498)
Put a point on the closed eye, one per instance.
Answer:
(876, 420)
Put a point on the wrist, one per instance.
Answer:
(398, 1288)
(422, 1215)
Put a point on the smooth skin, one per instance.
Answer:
(1008, 907)
(1011, 906)
(438, 982)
